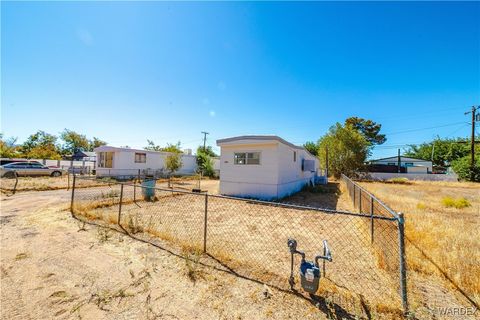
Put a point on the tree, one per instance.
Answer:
(208, 150)
(8, 147)
(41, 145)
(453, 153)
(74, 141)
(172, 148)
(311, 147)
(205, 164)
(173, 162)
(347, 150)
(368, 128)
(95, 143)
(152, 146)
(169, 148)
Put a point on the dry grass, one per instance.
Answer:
(251, 238)
(48, 183)
(442, 223)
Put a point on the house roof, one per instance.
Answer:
(401, 157)
(85, 153)
(118, 149)
(258, 138)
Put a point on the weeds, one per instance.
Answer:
(459, 203)
(134, 226)
(21, 256)
(192, 260)
(104, 234)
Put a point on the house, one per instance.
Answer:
(126, 162)
(407, 165)
(264, 167)
(80, 155)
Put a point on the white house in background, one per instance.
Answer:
(113, 161)
(264, 167)
(412, 165)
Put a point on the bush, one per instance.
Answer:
(459, 203)
(463, 169)
(205, 164)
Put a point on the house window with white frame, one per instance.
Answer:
(105, 160)
(140, 157)
(247, 158)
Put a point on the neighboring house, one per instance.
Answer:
(407, 165)
(80, 155)
(122, 162)
(264, 167)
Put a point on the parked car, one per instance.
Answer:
(32, 168)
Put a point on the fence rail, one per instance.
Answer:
(250, 236)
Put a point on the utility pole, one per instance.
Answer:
(472, 148)
(204, 140)
(399, 162)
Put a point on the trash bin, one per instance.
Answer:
(148, 189)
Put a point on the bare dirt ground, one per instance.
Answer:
(53, 267)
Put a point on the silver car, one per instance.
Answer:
(28, 169)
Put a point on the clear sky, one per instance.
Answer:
(125, 71)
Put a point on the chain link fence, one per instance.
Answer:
(249, 237)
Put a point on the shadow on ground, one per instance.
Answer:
(321, 196)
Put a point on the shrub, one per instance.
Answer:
(462, 168)
(421, 206)
(459, 203)
(205, 164)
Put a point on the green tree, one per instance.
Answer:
(8, 147)
(368, 128)
(152, 146)
(173, 162)
(205, 164)
(208, 150)
(73, 141)
(175, 148)
(171, 147)
(462, 167)
(95, 143)
(311, 147)
(41, 145)
(445, 151)
(347, 150)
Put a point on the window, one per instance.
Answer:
(294, 156)
(247, 158)
(140, 157)
(408, 164)
(392, 164)
(106, 160)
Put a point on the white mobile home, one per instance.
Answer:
(264, 167)
(120, 162)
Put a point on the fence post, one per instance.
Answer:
(120, 206)
(372, 211)
(403, 267)
(68, 181)
(205, 225)
(360, 200)
(73, 194)
(354, 202)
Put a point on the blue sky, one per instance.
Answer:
(125, 71)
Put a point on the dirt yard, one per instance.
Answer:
(443, 241)
(52, 266)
